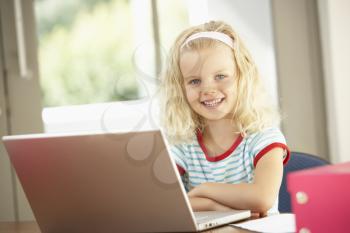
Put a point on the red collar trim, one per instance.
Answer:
(217, 158)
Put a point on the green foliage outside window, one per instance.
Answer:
(85, 56)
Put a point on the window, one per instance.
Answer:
(93, 53)
(85, 51)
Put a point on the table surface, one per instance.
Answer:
(32, 227)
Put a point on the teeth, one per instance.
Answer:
(212, 103)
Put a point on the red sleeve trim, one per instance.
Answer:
(270, 147)
(181, 170)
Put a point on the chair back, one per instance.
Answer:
(298, 161)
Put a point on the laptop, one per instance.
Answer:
(106, 182)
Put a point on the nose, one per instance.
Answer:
(209, 91)
(208, 88)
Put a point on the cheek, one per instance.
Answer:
(231, 88)
(231, 91)
(191, 94)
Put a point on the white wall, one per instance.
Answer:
(334, 19)
(300, 76)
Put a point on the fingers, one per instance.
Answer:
(258, 215)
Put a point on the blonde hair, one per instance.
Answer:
(252, 113)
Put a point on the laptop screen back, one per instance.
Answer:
(101, 182)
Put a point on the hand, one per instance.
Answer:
(258, 215)
(199, 191)
(206, 204)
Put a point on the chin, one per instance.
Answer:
(214, 118)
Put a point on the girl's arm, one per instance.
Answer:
(258, 196)
(206, 204)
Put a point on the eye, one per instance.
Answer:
(220, 77)
(194, 82)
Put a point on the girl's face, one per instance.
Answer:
(209, 80)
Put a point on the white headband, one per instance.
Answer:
(212, 35)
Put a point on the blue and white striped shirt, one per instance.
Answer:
(234, 166)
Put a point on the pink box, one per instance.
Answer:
(321, 198)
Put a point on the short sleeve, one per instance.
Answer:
(267, 140)
(178, 154)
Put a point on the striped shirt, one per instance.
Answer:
(234, 166)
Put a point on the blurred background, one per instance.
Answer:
(84, 65)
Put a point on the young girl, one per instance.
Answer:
(223, 132)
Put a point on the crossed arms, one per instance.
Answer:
(257, 196)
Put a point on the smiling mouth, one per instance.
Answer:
(212, 103)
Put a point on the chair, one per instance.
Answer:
(298, 161)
